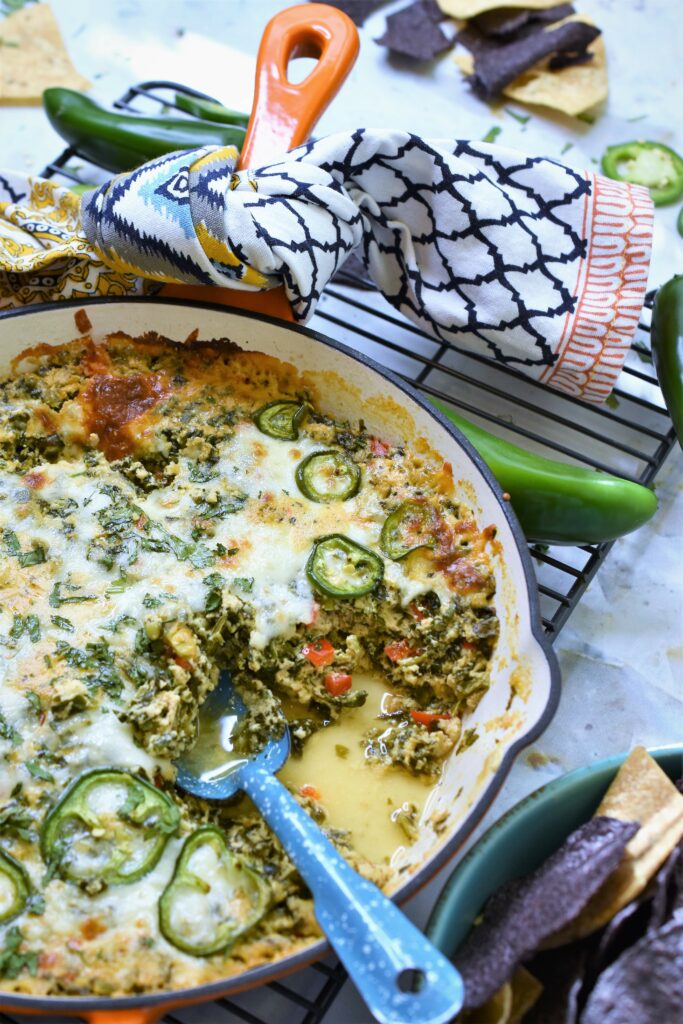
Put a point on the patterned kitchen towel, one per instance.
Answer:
(542, 267)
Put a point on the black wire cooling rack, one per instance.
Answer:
(631, 436)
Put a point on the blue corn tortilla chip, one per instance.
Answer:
(416, 31)
(522, 913)
(497, 64)
(506, 22)
(645, 985)
(357, 10)
(561, 972)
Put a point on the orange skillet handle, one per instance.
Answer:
(284, 114)
(141, 1016)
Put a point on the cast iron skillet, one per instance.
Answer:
(284, 114)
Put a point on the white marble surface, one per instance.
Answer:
(621, 654)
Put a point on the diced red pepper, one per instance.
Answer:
(319, 652)
(416, 611)
(379, 448)
(468, 646)
(183, 662)
(337, 683)
(428, 718)
(308, 790)
(397, 650)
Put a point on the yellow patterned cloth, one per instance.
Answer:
(44, 255)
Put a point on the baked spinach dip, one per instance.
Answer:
(167, 512)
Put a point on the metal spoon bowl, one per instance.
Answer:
(400, 975)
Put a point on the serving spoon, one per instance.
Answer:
(401, 976)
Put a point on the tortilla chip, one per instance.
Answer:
(562, 976)
(645, 984)
(33, 56)
(357, 10)
(471, 8)
(571, 90)
(415, 31)
(641, 792)
(526, 991)
(500, 62)
(520, 915)
(496, 1011)
(505, 22)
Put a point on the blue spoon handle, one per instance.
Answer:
(373, 939)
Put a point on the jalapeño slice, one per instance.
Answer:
(212, 898)
(328, 476)
(281, 419)
(406, 529)
(109, 826)
(340, 567)
(652, 164)
(15, 888)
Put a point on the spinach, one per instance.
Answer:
(98, 661)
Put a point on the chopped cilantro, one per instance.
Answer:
(29, 624)
(492, 134)
(244, 583)
(61, 623)
(35, 556)
(36, 769)
(522, 118)
(57, 599)
(34, 700)
(15, 820)
(8, 732)
(202, 472)
(12, 962)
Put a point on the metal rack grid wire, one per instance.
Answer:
(630, 436)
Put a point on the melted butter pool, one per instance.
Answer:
(358, 796)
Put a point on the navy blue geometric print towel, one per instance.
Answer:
(538, 265)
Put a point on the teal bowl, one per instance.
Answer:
(523, 838)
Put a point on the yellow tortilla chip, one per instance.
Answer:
(572, 90)
(33, 56)
(471, 8)
(495, 1011)
(526, 991)
(641, 792)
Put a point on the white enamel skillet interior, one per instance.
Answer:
(525, 683)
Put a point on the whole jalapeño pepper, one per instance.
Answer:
(119, 141)
(667, 348)
(557, 503)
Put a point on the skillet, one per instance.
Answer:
(525, 682)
